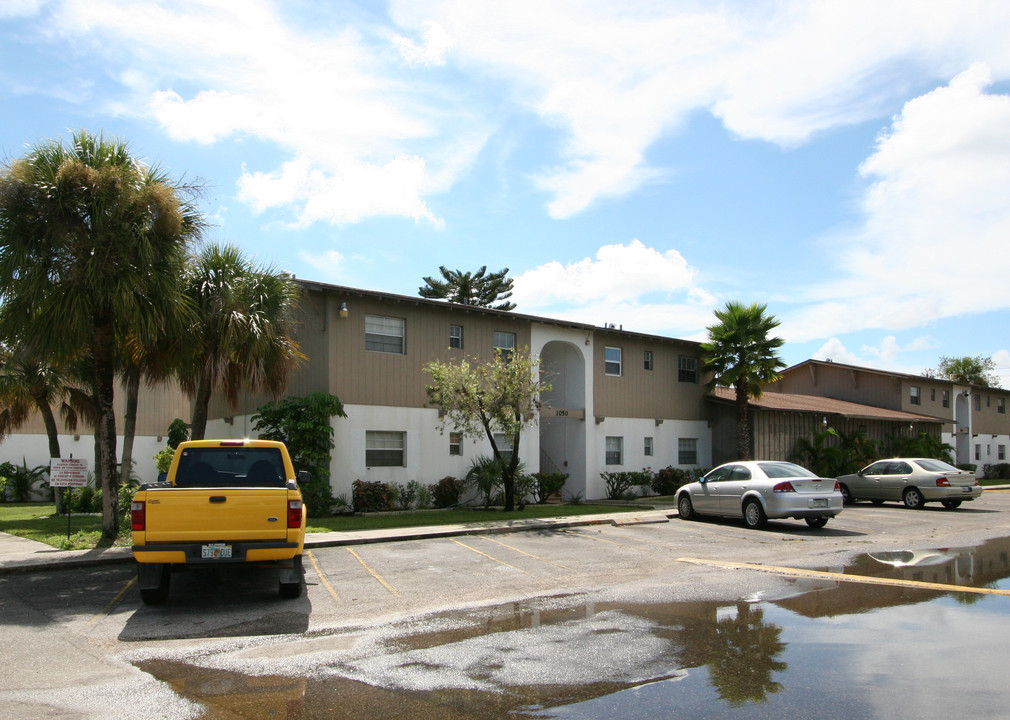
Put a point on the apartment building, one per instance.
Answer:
(973, 419)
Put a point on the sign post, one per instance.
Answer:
(68, 473)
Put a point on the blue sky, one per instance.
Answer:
(846, 162)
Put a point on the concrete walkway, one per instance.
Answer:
(20, 555)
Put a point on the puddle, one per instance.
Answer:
(843, 650)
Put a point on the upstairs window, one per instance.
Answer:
(945, 398)
(1001, 406)
(456, 336)
(978, 403)
(505, 343)
(612, 361)
(648, 359)
(913, 395)
(384, 334)
(687, 369)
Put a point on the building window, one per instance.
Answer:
(1001, 452)
(384, 334)
(385, 448)
(687, 369)
(456, 336)
(687, 451)
(455, 443)
(1001, 406)
(504, 444)
(932, 394)
(978, 401)
(978, 452)
(913, 396)
(988, 400)
(612, 361)
(505, 343)
(946, 398)
(648, 447)
(615, 450)
(648, 359)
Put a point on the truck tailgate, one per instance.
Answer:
(179, 515)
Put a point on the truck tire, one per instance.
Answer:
(292, 590)
(158, 594)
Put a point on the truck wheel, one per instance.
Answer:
(292, 590)
(157, 595)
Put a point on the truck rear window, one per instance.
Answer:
(230, 467)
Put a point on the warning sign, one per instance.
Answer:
(68, 472)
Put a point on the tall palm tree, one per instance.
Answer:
(739, 352)
(242, 336)
(91, 242)
(483, 289)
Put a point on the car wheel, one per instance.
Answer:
(847, 498)
(685, 508)
(290, 591)
(913, 498)
(817, 522)
(158, 595)
(950, 504)
(754, 514)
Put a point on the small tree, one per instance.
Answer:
(303, 425)
(977, 370)
(479, 399)
(480, 288)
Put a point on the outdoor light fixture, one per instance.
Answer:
(343, 309)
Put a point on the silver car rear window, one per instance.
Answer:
(784, 470)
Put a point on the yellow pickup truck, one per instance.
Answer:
(222, 501)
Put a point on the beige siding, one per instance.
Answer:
(642, 393)
(844, 383)
(988, 420)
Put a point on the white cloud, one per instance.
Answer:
(435, 44)
(331, 265)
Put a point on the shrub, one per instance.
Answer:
(548, 484)
(669, 480)
(370, 496)
(318, 497)
(485, 477)
(525, 487)
(177, 433)
(446, 492)
(422, 494)
(163, 459)
(999, 471)
(618, 484)
(967, 466)
(403, 498)
(21, 479)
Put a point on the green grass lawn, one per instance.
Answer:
(38, 521)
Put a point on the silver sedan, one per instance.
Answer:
(913, 481)
(759, 490)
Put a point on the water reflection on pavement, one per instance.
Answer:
(835, 650)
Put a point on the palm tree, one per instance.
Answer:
(481, 288)
(242, 336)
(91, 241)
(740, 353)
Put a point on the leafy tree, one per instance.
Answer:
(740, 353)
(977, 370)
(480, 288)
(177, 433)
(92, 241)
(242, 335)
(303, 425)
(479, 399)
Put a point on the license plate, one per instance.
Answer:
(967, 489)
(819, 503)
(216, 550)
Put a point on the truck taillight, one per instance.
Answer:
(138, 515)
(294, 513)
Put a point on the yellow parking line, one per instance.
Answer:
(839, 577)
(114, 602)
(593, 537)
(321, 576)
(373, 573)
(523, 552)
(500, 562)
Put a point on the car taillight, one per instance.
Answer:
(294, 513)
(838, 486)
(784, 487)
(942, 482)
(138, 515)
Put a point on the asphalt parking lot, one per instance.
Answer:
(73, 632)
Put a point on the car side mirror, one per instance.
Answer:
(303, 477)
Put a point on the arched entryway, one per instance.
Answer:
(563, 421)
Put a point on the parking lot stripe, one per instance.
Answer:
(321, 576)
(373, 573)
(841, 577)
(114, 602)
(593, 537)
(523, 552)
(500, 562)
